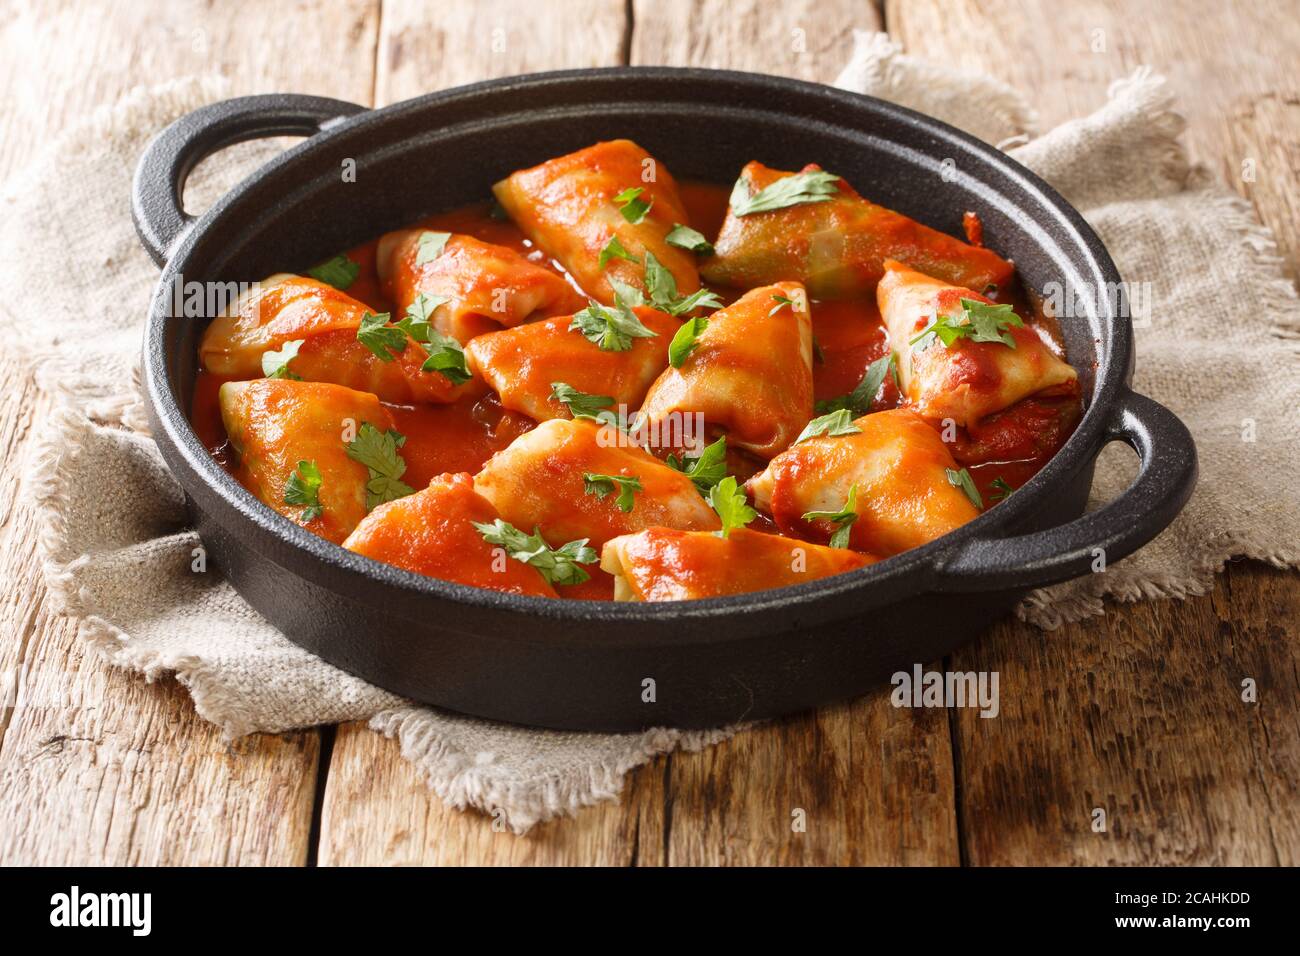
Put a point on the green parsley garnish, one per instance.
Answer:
(1001, 489)
(374, 332)
(731, 505)
(584, 405)
(303, 488)
(977, 321)
(960, 478)
(602, 485)
(378, 452)
(632, 206)
(612, 328)
(705, 469)
(340, 272)
(446, 355)
(662, 288)
(844, 518)
(557, 565)
(276, 364)
(813, 186)
(684, 237)
(860, 399)
(447, 358)
(781, 302)
(683, 343)
(838, 422)
(430, 246)
(614, 250)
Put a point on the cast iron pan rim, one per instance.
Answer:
(216, 490)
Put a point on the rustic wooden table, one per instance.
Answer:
(1138, 712)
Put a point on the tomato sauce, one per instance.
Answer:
(848, 336)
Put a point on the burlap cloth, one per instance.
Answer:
(1219, 349)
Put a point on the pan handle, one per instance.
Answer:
(1164, 482)
(160, 219)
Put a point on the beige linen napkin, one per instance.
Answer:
(117, 548)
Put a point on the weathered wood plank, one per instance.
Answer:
(426, 47)
(376, 810)
(858, 784)
(1140, 713)
(806, 39)
(97, 766)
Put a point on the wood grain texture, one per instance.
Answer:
(97, 766)
(857, 784)
(1140, 713)
(807, 39)
(377, 811)
(430, 46)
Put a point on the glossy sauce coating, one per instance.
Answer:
(275, 423)
(568, 207)
(750, 374)
(899, 465)
(662, 564)
(461, 436)
(522, 364)
(486, 286)
(287, 308)
(538, 481)
(432, 532)
(966, 380)
(837, 248)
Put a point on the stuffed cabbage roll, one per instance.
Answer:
(598, 212)
(817, 229)
(891, 481)
(291, 439)
(572, 480)
(285, 309)
(432, 533)
(662, 564)
(977, 358)
(749, 373)
(468, 286)
(523, 364)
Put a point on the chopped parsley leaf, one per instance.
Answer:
(614, 250)
(340, 272)
(378, 452)
(632, 206)
(977, 321)
(557, 565)
(812, 186)
(843, 518)
(611, 328)
(602, 485)
(731, 505)
(374, 332)
(683, 343)
(276, 364)
(684, 237)
(859, 400)
(303, 488)
(430, 246)
(584, 405)
(705, 469)
(832, 424)
(960, 478)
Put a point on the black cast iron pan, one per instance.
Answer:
(581, 664)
